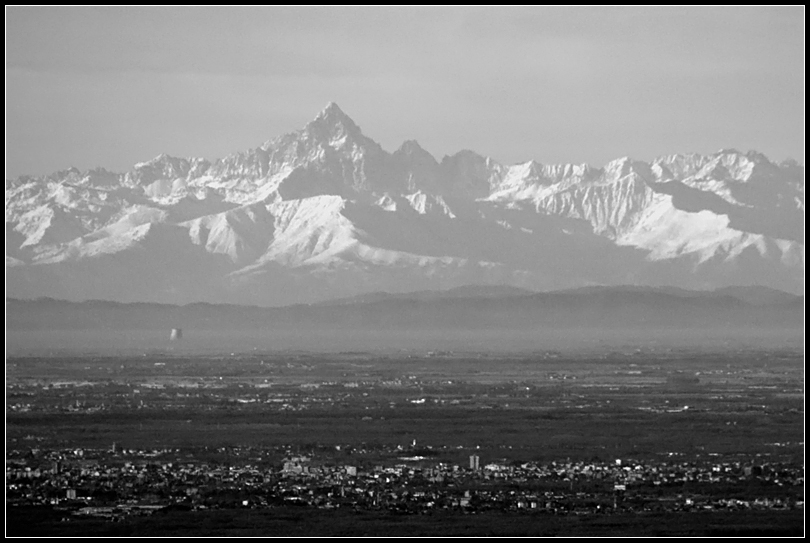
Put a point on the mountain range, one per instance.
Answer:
(326, 212)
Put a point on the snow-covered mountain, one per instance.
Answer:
(325, 212)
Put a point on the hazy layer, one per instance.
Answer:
(213, 343)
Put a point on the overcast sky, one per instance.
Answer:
(113, 86)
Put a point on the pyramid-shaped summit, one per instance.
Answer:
(332, 120)
(332, 111)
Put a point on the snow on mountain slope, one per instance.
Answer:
(668, 232)
(610, 200)
(310, 230)
(46, 225)
(325, 211)
(164, 168)
(242, 233)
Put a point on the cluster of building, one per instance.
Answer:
(112, 484)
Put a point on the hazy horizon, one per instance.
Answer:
(596, 343)
(471, 290)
